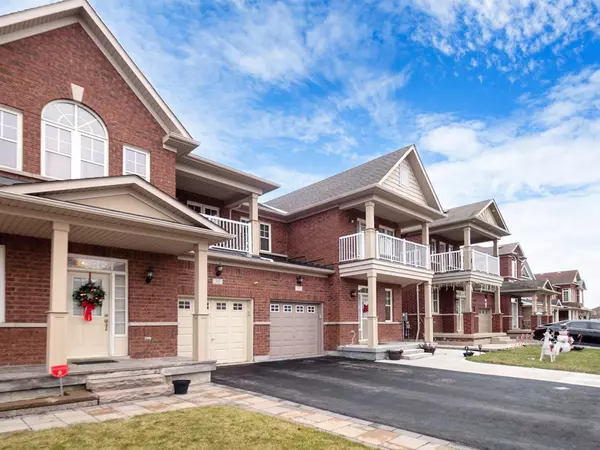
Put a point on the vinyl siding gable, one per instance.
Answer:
(412, 190)
(488, 217)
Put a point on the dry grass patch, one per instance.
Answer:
(586, 361)
(218, 427)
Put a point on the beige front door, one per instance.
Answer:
(88, 339)
(485, 320)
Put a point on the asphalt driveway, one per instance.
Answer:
(481, 411)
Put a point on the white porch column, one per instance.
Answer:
(370, 232)
(467, 263)
(496, 250)
(425, 241)
(428, 335)
(254, 225)
(373, 337)
(200, 344)
(534, 304)
(56, 334)
(497, 302)
(469, 296)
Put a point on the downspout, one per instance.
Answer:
(418, 313)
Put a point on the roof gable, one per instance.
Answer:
(128, 194)
(38, 20)
(561, 277)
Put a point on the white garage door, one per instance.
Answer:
(295, 330)
(228, 330)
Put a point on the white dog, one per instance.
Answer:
(549, 348)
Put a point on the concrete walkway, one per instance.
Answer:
(454, 360)
(370, 434)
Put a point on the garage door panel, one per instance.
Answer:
(228, 331)
(294, 330)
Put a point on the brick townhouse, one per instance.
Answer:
(101, 197)
(570, 302)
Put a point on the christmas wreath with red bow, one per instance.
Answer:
(89, 297)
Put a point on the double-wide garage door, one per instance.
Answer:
(228, 330)
(295, 330)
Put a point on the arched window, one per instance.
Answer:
(74, 142)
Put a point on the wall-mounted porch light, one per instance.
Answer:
(219, 269)
(149, 274)
(299, 280)
(352, 294)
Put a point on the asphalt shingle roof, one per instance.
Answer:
(461, 213)
(564, 277)
(523, 285)
(351, 180)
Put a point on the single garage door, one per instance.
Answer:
(295, 330)
(485, 320)
(228, 330)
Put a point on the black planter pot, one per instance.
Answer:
(395, 355)
(181, 386)
(430, 350)
(469, 353)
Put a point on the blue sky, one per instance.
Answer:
(501, 98)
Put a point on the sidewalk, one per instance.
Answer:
(371, 434)
(445, 359)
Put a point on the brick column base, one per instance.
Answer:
(506, 321)
(497, 323)
(469, 323)
(535, 321)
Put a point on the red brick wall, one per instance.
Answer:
(20, 346)
(39, 69)
(163, 343)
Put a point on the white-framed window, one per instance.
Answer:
(311, 309)
(11, 138)
(274, 308)
(201, 208)
(287, 308)
(435, 294)
(404, 176)
(387, 230)
(265, 237)
(513, 267)
(361, 225)
(136, 162)
(299, 308)
(2, 283)
(450, 248)
(74, 142)
(442, 247)
(433, 246)
(120, 305)
(237, 307)
(388, 305)
(184, 304)
(221, 306)
(566, 294)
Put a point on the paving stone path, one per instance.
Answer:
(371, 434)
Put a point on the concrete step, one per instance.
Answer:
(103, 384)
(413, 351)
(138, 393)
(417, 356)
(122, 373)
(501, 340)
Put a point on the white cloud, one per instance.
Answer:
(456, 141)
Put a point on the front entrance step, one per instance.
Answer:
(138, 393)
(79, 398)
(416, 355)
(102, 384)
(501, 340)
(413, 351)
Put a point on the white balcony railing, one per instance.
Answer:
(389, 248)
(241, 231)
(453, 261)
(352, 247)
(402, 251)
(447, 262)
(482, 262)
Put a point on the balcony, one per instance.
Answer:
(454, 262)
(241, 230)
(387, 248)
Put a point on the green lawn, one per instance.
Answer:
(587, 361)
(218, 427)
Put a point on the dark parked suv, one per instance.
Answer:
(588, 329)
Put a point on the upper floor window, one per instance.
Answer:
(388, 305)
(265, 237)
(203, 209)
(74, 142)
(513, 267)
(11, 138)
(136, 162)
(387, 231)
(433, 246)
(442, 247)
(566, 293)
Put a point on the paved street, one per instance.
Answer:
(487, 412)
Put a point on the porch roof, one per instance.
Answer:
(528, 287)
(32, 215)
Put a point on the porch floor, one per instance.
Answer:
(12, 373)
